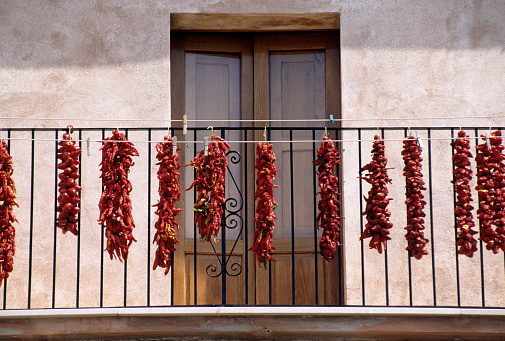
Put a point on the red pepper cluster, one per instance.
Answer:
(265, 223)
(170, 191)
(463, 212)
(209, 183)
(491, 189)
(68, 189)
(376, 211)
(115, 203)
(7, 202)
(328, 217)
(415, 203)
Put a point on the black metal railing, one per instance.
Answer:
(52, 270)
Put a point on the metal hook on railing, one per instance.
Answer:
(488, 141)
(211, 130)
(70, 129)
(325, 133)
(265, 134)
(169, 133)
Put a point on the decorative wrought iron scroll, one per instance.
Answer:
(231, 219)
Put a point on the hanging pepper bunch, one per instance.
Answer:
(328, 217)
(376, 211)
(115, 203)
(491, 189)
(68, 189)
(209, 183)
(7, 202)
(170, 192)
(463, 212)
(265, 223)
(415, 203)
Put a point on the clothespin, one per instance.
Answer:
(87, 146)
(206, 145)
(419, 141)
(174, 145)
(331, 119)
(488, 142)
(265, 134)
(184, 125)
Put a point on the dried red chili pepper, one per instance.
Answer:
(7, 202)
(68, 189)
(265, 217)
(415, 203)
(115, 203)
(491, 189)
(328, 217)
(209, 183)
(376, 211)
(170, 191)
(463, 211)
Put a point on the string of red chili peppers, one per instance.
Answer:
(265, 217)
(328, 217)
(68, 189)
(463, 211)
(491, 188)
(376, 211)
(415, 203)
(7, 202)
(209, 183)
(170, 191)
(115, 202)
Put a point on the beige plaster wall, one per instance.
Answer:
(97, 60)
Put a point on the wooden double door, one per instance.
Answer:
(225, 78)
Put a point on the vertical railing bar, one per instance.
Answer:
(340, 250)
(314, 205)
(223, 245)
(482, 284)
(408, 255)
(293, 283)
(55, 227)
(5, 280)
(77, 291)
(430, 179)
(149, 218)
(172, 256)
(386, 269)
(455, 225)
(125, 272)
(361, 221)
(195, 235)
(30, 256)
(246, 258)
(101, 247)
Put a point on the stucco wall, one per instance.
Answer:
(398, 58)
(103, 59)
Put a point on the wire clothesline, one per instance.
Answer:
(331, 120)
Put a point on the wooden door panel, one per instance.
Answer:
(209, 289)
(280, 282)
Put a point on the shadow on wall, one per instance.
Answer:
(85, 33)
(82, 33)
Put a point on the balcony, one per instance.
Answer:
(61, 276)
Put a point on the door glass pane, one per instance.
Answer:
(212, 92)
(297, 92)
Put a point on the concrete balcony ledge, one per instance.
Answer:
(254, 322)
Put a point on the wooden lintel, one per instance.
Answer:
(254, 22)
